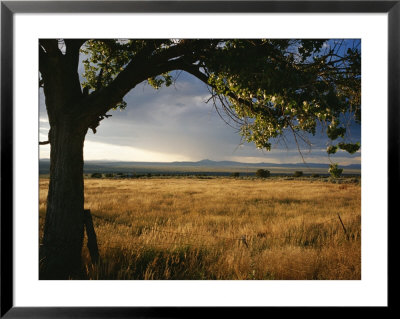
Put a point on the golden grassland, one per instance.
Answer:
(222, 228)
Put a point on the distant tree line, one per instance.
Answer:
(334, 171)
(263, 173)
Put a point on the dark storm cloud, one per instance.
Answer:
(177, 120)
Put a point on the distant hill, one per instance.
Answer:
(207, 162)
(205, 166)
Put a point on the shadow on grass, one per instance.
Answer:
(183, 263)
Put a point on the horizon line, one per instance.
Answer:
(204, 160)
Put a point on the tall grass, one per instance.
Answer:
(222, 228)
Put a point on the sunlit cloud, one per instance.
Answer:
(176, 124)
(101, 151)
(107, 152)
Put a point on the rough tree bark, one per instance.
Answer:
(63, 231)
(64, 224)
(71, 113)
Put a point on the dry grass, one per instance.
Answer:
(223, 228)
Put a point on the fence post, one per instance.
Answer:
(92, 240)
(344, 228)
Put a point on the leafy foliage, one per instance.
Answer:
(332, 149)
(334, 132)
(266, 87)
(349, 147)
(263, 173)
(298, 174)
(335, 171)
(286, 85)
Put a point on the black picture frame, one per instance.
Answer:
(9, 8)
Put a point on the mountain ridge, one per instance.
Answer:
(207, 162)
(204, 167)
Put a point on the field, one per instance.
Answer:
(223, 228)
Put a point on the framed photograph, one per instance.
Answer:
(166, 157)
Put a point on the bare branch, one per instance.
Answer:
(194, 70)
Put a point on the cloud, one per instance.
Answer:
(176, 123)
(101, 151)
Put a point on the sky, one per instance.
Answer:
(176, 124)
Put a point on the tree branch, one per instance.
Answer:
(144, 65)
(42, 59)
(138, 70)
(74, 44)
(51, 46)
(72, 50)
(194, 70)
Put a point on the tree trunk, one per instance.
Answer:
(64, 223)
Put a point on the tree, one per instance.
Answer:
(263, 173)
(298, 174)
(334, 170)
(266, 87)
